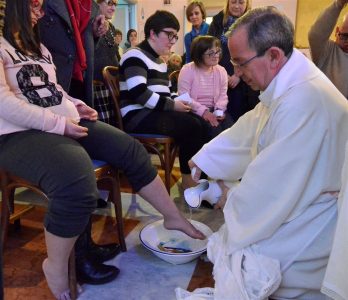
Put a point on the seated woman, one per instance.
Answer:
(49, 138)
(174, 63)
(146, 106)
(206, 83)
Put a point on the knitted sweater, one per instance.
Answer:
(29, 93)
(190, 79)
(144, 83)
(326, 54)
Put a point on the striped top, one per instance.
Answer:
(144, 83)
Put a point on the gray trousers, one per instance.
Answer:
(62, 167)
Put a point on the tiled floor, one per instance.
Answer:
(143, 276)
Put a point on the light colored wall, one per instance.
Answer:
(145, 8)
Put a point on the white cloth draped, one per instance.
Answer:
(335, 280)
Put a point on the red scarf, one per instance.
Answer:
(80, 13)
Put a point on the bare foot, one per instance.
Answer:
(182, 224)
(58, 283)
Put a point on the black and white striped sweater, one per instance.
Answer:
(144, 82)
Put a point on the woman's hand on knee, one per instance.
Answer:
(74, 130)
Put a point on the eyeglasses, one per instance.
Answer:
(111, 2)
(171, 35)
(36, 8)
(213, 53)
(241, 65)
(343, 36)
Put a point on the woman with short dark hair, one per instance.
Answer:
(145, 98)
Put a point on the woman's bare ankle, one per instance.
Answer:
(57, 280)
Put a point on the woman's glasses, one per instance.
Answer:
(171, 35)
(36, 8)
(213, 53)
(111, 2)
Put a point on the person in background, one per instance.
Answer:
(196, 15)
(132, 39)
(240, 97)
(105, 54)
(146, 105)
(331, 56)
(48, 138)
(280, 218)
(206, 83)
(174, 63)
(118, 40)
(71, 42)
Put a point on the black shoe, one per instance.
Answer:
(102, 203)
(90, 272)
(101, 253)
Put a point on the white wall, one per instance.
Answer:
(145, 8)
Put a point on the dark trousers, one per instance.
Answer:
(189, 131)
(63, 169)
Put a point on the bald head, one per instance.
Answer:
(342, 34)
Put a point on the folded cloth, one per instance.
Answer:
(197, 294)
(243, 275)
(335, 280)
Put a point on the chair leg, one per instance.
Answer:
(5, 217)
(116, 199)
(72, 275)
(167, 166)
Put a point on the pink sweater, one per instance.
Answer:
(189, 81)
(30, 97)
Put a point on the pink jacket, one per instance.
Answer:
(188, 82)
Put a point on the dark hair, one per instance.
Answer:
(129, 32)
(192, 6)
(159, 20)
(266, 27)
(200, 45)
(118, 32)
(18, 20)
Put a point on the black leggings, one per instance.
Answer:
(189, 131)
(62, 167)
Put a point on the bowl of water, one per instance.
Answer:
(173, 246)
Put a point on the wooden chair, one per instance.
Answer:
(173, 78)
(150, 141)
(106, 177)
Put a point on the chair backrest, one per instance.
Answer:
(174, 75)
(111, 79)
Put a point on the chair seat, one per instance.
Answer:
(150, 135)
(98, 163)
(162, 145)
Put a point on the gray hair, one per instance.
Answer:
(266, 27)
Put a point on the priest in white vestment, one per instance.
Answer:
(288, 153)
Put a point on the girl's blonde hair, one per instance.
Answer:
(227, 9)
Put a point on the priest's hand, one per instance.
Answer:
(223, 198)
